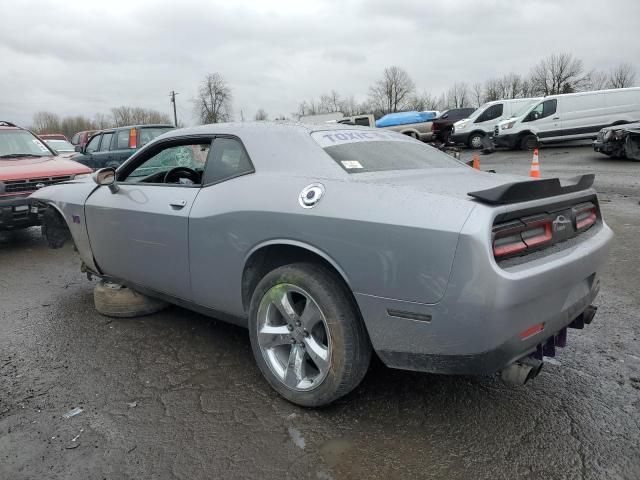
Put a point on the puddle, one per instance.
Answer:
(333, 451)
(297, 438)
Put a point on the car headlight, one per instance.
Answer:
(461, 126)
(509, 125)
(80, 176)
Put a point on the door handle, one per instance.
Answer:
(178, 203)
(556, 118)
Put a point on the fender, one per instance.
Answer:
(303, 245)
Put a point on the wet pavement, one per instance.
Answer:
(177, 394)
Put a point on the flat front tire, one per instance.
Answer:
(307, 335)
(528, 142)
(114, 300)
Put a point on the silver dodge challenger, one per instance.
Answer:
(330, 242)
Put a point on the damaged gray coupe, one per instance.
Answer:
(331, 243)
(619, 141)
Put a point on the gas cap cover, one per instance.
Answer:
(311, 195)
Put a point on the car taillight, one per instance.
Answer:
(586, 216)
(516, 237)
(534, 231)
(133, 139)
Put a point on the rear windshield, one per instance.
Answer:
(149, 133)
(21, 143)
(369, 151)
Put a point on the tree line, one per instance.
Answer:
(48, 122)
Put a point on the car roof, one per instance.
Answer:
(129, 127)
(4, 125)
(233, 128)
(280, 146)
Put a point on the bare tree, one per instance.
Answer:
(458, 95)
(424, 101)
(261, 115)
(46, 122)
(622, 76)
(558, 73)
(596, 80)
(393, 92)
(213, 103)
(124, 115)
(477, 93)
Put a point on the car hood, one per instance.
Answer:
(625, 126)
(448, 182)
(21, 168)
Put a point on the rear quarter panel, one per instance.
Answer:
(389, 242)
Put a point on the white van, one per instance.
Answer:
(572, 116)
(482, 122)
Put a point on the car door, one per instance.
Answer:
(545, 120)
(103, 156)
(139, 233)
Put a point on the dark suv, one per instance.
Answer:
(111, 147)
(443, 125)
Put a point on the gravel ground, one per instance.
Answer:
(177, 395)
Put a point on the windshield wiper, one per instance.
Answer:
(19, 155)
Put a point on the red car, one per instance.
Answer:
(53, 136)
(27, 164)
(80, 139)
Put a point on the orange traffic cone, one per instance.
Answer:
(535, 165)
(476, 161)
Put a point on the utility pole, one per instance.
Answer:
(173, 100)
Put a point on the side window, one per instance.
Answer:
(122, 140)
(364, 121)
(188, 156)
(92, 146)
(491, 113)
(549, 107)
(544, 109)
(106, 142)
(228, 159)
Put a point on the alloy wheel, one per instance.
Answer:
(293, 337)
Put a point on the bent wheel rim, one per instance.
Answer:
(293, 337)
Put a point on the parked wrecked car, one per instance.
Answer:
(27, 164)
(619, 141)
(331, 242)
(109, 148)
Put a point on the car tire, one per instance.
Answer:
(338, 340)
(528, 142)
(114, 300)
(475, 141)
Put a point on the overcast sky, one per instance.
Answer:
(84, 57)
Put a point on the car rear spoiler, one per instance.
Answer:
(532, 190)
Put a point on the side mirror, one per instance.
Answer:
(106, 177)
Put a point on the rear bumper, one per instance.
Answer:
(426, 137)
(476, 328)
(16, 212)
